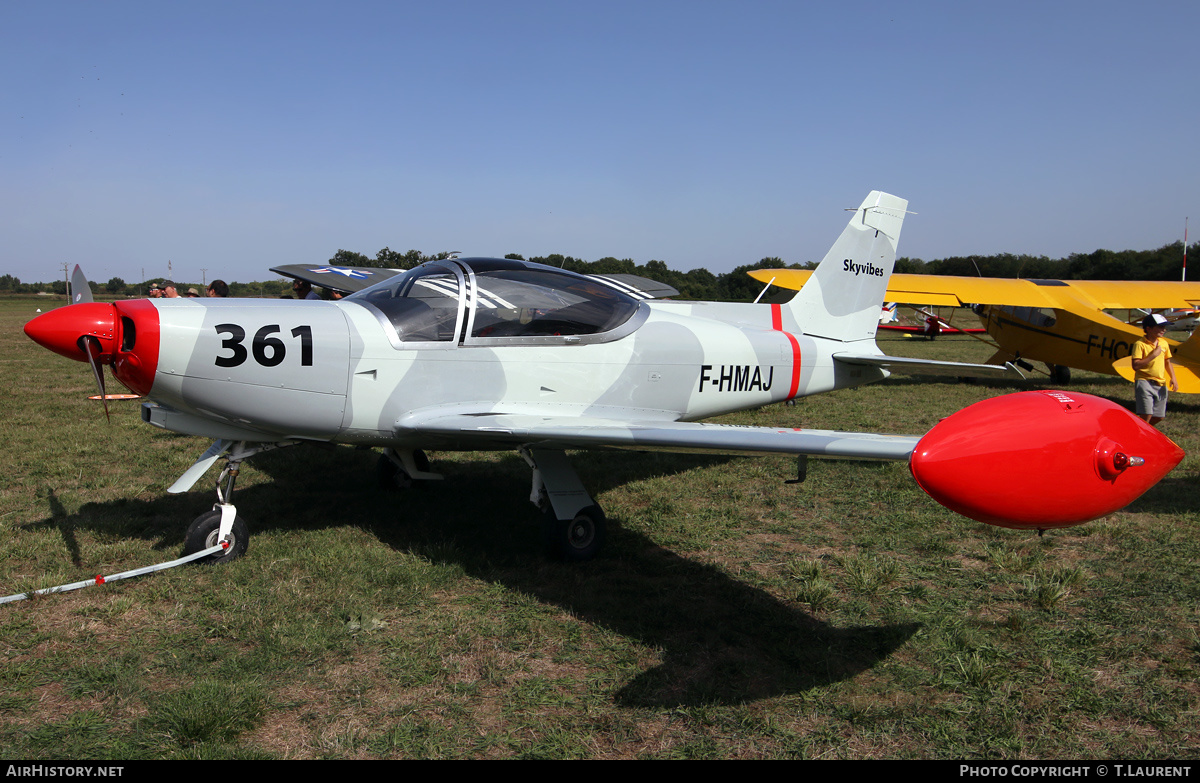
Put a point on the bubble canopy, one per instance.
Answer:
(493, 301)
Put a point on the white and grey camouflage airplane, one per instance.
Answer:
(479, 353)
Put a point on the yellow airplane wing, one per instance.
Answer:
(959, 291)
(946, 290)
(1143, 294)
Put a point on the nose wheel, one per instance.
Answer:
(204, 532)
(222, 524)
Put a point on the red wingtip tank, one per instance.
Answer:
(1041, 459)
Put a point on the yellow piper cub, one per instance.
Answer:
(1060, 322)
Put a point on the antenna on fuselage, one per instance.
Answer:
(764, 291)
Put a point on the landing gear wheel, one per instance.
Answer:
(578, 539)
(392, 477)
(202, 534)
(1060, 375)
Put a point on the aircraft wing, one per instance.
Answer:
(555, 431)
(344, 279)
(906, 366)
(951, 291)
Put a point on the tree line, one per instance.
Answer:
(1163, 263)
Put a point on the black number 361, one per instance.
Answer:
(268, 351)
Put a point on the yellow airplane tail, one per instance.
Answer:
(1189, 349)
(1186, 361)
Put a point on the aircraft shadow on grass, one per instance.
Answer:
(722, 641)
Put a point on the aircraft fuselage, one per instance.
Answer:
(269, 370)
(1060, 337)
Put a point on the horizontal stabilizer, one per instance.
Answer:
(906, 366)
(1185, 373)
(1124, 368)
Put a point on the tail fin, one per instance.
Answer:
(841, 300)
(1189, 349)
(80, 290)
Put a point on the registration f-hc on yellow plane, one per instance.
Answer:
(1063, 323)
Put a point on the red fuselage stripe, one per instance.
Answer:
(777, 325)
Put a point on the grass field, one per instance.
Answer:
(732, 616)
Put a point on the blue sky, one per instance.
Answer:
(232, 137)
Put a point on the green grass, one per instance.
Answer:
(732, 616)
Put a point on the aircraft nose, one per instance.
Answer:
(128, 333)
(62, 330)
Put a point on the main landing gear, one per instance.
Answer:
(573, 524)
(397, 469)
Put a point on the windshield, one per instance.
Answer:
(422, 304)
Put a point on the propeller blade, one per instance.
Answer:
(94, 350)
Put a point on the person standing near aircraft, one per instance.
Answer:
(218, 289)
(933, 327)
(304, 290)
(1152, 370)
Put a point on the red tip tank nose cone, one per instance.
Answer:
(60, 329)
(1041, 459)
